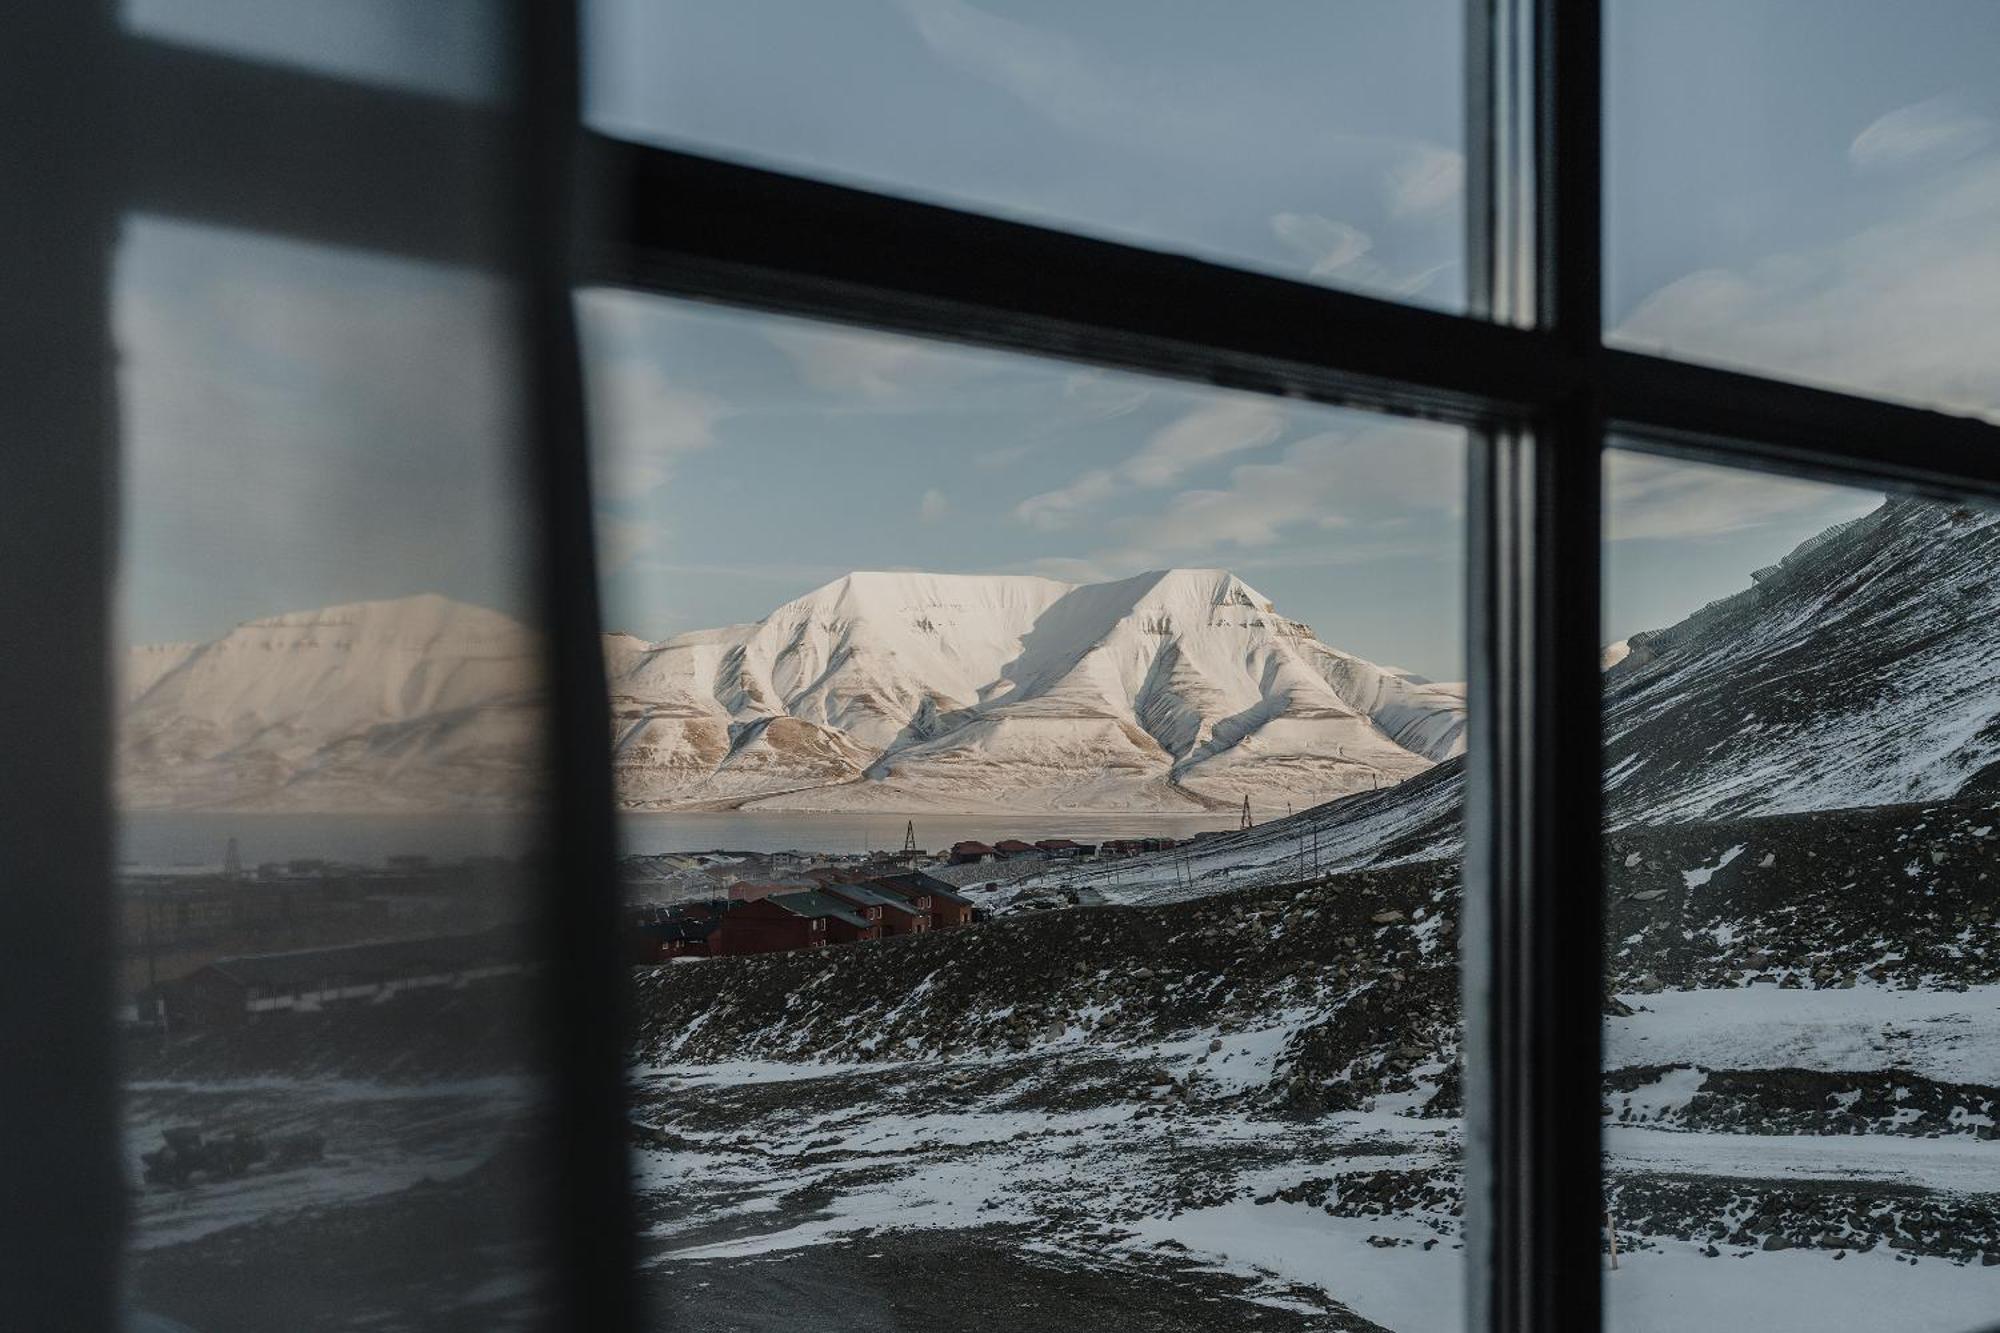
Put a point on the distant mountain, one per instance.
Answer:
(1174, 690)
(417, 704)
(1171, 691)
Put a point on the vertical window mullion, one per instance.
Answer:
(591, 1218)
(1532, 945)
(61, 1227)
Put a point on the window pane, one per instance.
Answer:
(1803, 737)
(1093, 1050)
(1324, 145)
(1808, 189)
(327, 775)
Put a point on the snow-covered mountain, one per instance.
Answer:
(1172, 690)
(1169, 691)
(416, 704)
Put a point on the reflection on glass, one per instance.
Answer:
(1808, 190)
(1800, 1073)
(326, 774)
(447, 47)
(1032, 875)
(1324, 145)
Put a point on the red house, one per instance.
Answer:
(970, 853)
(947, 906)
(896, 915)
(766, 925)
(845, 923)
(1013, 849)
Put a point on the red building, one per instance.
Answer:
(970, 853)
(896, 915)
(1013, 849)
(764, 925)
(784, 922)
(946, 905)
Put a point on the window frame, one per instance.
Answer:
(221, 140)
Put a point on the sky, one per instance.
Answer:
(1809, 188)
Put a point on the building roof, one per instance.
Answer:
(384, 960)
(1057, 844)
(1014, 845)
(814, 903)
(970, 848)
(862, 893)
(912, 882)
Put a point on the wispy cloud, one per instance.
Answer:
(654, 423)
(1904, 307)
(1364, 483)
(876, 367)
(1207, 433)
(934, 507)
(1327, 246)
(1425, 180)
(1935, 132)
(1648, 497)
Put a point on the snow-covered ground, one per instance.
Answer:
(1949, 1035)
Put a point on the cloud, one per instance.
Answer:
(620, 541)
(934, 506)
(1327, 246)
(1649, 497)
(877, 367)
(1213, 431)
(1427, 180)
(1364, 482)
(1059, 508)
(1936, 132)
(1903, 308)
(642, 426)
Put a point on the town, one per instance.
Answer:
(224, 947)
(714, 904)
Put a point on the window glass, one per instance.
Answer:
(1800, 858)
(1323, 143)
(327, 766)
(1009, 652)
(1808, 189)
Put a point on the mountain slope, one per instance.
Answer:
(1863, 669)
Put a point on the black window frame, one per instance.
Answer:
(124, 123)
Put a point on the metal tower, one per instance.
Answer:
(1246, 812)
(910, 836)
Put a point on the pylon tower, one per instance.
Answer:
(1246, 812)
(910, 836)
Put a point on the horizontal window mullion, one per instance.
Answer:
(1748, 420)
(690, 226)
(222, 141)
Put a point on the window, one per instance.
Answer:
(180, 127)
(880, 598)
